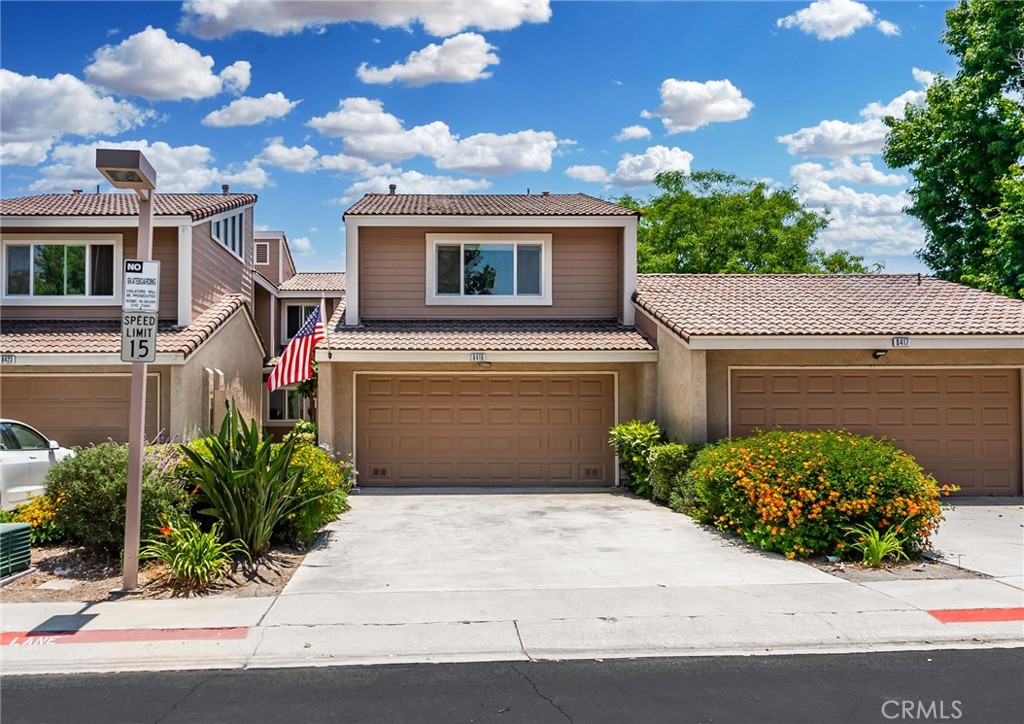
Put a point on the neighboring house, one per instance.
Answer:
(494, 340)
(61, 269)
(935, 366)
(283, 299)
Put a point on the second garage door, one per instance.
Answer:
(963, 426)
(529, 430)
(77, 409)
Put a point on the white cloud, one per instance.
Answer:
(630, 133)
(345, 164)
(831, 19)
(819, 194)
(844, 169)
(442, 18)
(873, 237)
(840, 138)
(412, 182)
(491, 154)
(152, 65)
(837, 138)
(590, 174)
(375, 135)
(300, 245)
(179, 168)
(887, 28)
(369, 132)
(247, 111)
(636, 169)
(461, 59)
(292, 158)
(38, 111)
(687, 105)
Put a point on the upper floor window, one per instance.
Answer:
(229, 231)
(68, 270)
(489, 269)
(294, 316)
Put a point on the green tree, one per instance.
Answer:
(709, 222)
(964, 150)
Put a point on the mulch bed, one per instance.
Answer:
(923, 569)
(71, 573)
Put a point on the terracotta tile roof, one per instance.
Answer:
(486, 335)
(314, 282)
(485, 205)
(75, 336)
(198, 206)
(823, 304)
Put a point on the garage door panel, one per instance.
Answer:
(77, 409)
(504, 430)
(962, 425)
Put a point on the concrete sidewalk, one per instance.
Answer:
(514, 577)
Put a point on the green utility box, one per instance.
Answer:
(15, 547)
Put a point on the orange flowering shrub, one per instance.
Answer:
(797, 493)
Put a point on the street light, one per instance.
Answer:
(127, 169)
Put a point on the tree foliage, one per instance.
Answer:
(710, 222)
(964, 149)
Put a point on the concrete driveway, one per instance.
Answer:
(984, 535)
(499, 542)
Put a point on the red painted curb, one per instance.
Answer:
(106, 636)
(978, 615)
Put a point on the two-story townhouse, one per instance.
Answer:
(60, 290)
(494, 339)
(484, 340)
(283, 299)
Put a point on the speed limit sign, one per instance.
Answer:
(138, 336)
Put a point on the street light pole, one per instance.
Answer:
(132, 170)
(137, 421)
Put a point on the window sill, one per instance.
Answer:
(61, 302)
(488, 300)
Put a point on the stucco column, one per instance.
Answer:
(325, 407)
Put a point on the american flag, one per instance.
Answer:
(296, 362)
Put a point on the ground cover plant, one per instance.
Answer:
(800, 493)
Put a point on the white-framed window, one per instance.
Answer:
(293, 317)
(261, 255)
(230, 231)
(285, 404)
(65, 269)
(489, 269)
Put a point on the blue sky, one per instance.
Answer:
(311, 105)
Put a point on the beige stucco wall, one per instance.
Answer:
(336, 389)
(227, 367)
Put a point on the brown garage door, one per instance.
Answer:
(963, 426)
(485, 430)
(76, 410)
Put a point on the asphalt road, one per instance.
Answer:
(953, 686)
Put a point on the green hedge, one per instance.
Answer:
(632, 442)
(88, 493)
(667, 466)
(798, 493)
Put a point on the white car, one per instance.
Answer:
(25, 457)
